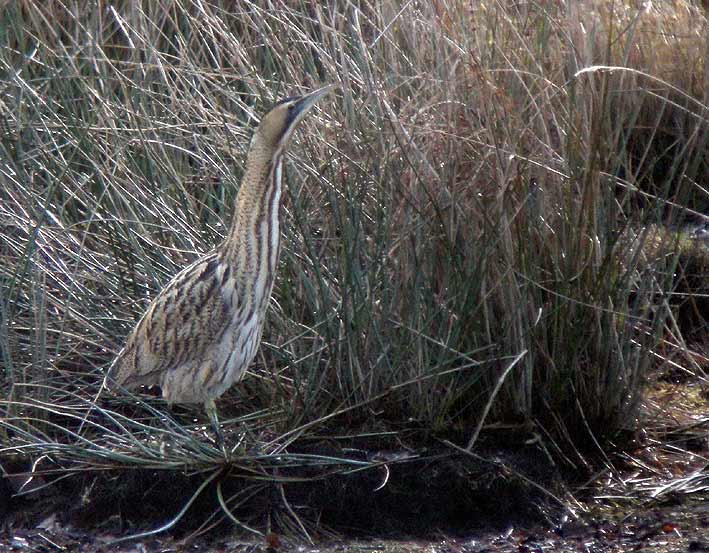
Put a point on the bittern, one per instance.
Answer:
(200, 333)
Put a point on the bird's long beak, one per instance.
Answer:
(309, 100)
(305, 103)
(300, 108)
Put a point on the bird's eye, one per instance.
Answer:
(290, 116)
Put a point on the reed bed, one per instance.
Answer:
(474, 229)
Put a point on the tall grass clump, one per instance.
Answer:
(469, 215)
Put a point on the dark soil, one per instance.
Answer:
(417, 495)
(650, 529)
(436, 501)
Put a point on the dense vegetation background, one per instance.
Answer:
(494, 224)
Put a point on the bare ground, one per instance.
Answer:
(439, 504)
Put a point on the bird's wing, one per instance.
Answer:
(182, 322)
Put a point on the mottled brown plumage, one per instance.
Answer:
(200, 333)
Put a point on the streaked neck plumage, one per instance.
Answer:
(252, 248)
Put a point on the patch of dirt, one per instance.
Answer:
(434, 491)
(650, 529)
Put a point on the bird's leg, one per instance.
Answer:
(211, 409)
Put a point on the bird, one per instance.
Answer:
(201, 332)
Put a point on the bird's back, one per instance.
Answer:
(194, 341)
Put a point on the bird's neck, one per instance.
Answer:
(253, 245)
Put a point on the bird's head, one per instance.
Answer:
(278, 124)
